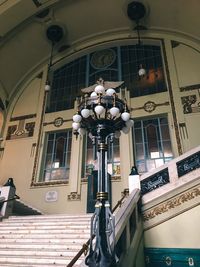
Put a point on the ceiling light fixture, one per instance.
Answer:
(136, 11)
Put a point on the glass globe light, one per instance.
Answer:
(85, 113)
(114, 111)
(99, 89)
(117, 134)
(77, 118)
(110, 91)
(76, 125)
(125, 130)
(125, 116)
(99, 109)
(141, 71)
(47, 87)
(93, 94)
(82, 131)
(129, 123)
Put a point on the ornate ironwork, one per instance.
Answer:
(188, 164)
(102, 115)
(152, 182)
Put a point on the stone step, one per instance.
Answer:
(44, 231)
(34, 265)
(44, 236)
(78, 224)
(46, 246)
(42, 240)
(36, 260)
(49, 217)
(72, 240)
(44, 253)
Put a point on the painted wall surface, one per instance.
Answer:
(22, 155)
(170, 233)
(187, 61)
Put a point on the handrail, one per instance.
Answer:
(119, 203)
(10, 199)
(85, 246)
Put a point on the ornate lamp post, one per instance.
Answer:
(103, 115)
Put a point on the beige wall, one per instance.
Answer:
(19, 154)
(181, 231)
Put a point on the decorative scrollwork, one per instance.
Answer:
(171, 204)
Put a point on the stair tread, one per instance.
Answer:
(42, 240)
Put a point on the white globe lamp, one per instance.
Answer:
(125, 116)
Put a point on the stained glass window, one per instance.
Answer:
(57, 156)
(112, 64)
(152, 144)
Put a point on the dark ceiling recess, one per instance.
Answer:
(55, 33)
(136, 11)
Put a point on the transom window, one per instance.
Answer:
(152, 144)
(57, 156)
(112, 64)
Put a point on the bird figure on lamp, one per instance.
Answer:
(105, 84)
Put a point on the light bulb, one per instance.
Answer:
(47, 87)
(141, 71)
(77, 118)
(110, 91)
(93, 94)
(117, 134)
(114, 111)
(82, 131)
(76, 125)
(125, 116)
(85, 113)
(129, 123)
(99, 89)
(99, 109)
(125, 130)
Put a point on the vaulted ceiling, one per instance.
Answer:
(23, 24)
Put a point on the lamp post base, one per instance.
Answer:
(101, 253)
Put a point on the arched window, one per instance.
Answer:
(112, 64)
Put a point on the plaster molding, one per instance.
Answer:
(74, 196)
(172, 204)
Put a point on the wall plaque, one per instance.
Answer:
(152, 182)
(51, 196)
(188, 164)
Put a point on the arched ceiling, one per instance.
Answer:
(23, 42)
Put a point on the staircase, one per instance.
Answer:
(42, 240)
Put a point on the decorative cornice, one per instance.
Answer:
(25, 117)
(74, 196)
(150, 106)
(190, 87)
(115, 178)
(57, 122)
(50, 183)
(171, 204)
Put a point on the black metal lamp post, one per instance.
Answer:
(103, 115)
